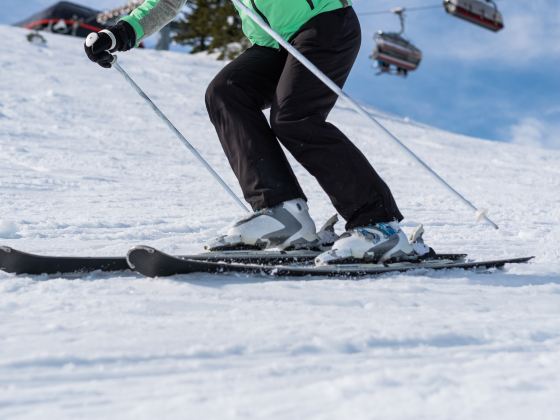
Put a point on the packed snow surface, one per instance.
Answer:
(86, 168)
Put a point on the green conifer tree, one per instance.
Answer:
(213, 26)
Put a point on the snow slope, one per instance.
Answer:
(85, 168)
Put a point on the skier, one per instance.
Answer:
(328, 33)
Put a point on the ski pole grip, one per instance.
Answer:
(94, 36)
(91, 38)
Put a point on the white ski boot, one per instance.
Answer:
(378, 243)
(287, 225)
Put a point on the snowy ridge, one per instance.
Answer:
(85, 168)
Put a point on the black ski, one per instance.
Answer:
(19, 262)
(153, 263)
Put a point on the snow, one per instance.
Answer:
(8, 229)
(86, 168)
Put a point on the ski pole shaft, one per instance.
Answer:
(177, 133)
(336, 89)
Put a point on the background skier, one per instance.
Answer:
(328, 33)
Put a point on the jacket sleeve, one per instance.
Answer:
(152, 15)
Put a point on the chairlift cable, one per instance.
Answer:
(407, 9)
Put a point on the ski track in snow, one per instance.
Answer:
(86, 168)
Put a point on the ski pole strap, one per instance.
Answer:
(336, 89)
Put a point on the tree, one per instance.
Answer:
(212, 26)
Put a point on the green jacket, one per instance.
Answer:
(284, 16)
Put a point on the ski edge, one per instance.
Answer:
(136, 258)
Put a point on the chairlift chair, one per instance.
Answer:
(483, 13)
(395, 54)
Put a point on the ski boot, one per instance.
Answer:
(285, 226)
(379, 243)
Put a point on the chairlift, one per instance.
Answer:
(484, 13)
(395, 54)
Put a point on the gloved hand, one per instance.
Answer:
(99, 46)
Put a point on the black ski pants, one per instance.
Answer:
(264, 77)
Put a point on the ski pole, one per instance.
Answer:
(480, 214)
(189, 146)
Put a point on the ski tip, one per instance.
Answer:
(132, 252)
